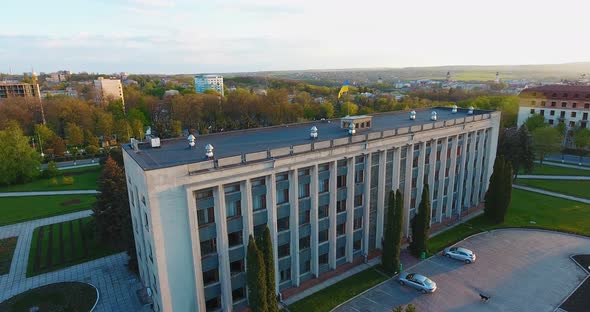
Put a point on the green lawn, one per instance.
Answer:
(60, 245)
(545, 211)
(84, 179)
(7, 246)
(330, 297)
(555, 170)
(19, 209)
(568, 187)
(71, 296)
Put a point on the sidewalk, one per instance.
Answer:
(553, 177)
(46, 193)
(551, 163)
(554, 194)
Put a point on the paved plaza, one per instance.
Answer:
(116, 285)
(521, 270)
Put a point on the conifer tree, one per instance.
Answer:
(397, 231)
(421, 224)
(388, 241)
(265, 246)
(495, 198)
(256, 278)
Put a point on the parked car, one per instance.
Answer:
(460, 253)
(417, 281)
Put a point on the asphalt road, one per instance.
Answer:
(521, 270)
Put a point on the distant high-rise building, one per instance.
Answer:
(108, 90)
(209, 82)
(497, 77)
(19, 89)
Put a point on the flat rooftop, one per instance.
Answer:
(175, 152)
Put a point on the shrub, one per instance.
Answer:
(67, 180)
(51, 170)
(53, 182)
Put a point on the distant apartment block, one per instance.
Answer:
(209, 82)
(19, 89)
(569, 104)
(108, 90)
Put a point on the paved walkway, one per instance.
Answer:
(551, 163)
(553, 177)
(109, 274)
(554, 194)
(46, 193)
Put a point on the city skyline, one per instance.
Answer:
(219, 36)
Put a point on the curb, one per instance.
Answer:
(575, 289)
(97, 297)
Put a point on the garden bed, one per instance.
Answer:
(579, 301)
(7, 247)
(71, 296)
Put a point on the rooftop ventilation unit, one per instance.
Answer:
(351, 129)
(454, 110)
(313, 133)
(209, 151)
(433, 116)
(155, 142)
(413, 115)
(134, 145)
(191, 141)
(470, 111)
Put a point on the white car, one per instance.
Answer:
(417, 281)
(460, 253)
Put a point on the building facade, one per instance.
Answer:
(19, 89)
(324, 200)
(209, 82)
(569, 104)
(108, 90)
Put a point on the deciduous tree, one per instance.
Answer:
(546, 140)
(19, 162)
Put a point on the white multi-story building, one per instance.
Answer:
(108, 90)
(324, 199)
(209, 82)
(569, 104)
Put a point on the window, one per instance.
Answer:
(573, 114)
(284, 250)
(324, 167)
(323, 211)
(304, 217)
(358, 223)
(552, 113)
(340, 229)
(323, 236)
(356, 245)
(213, 304)
(211, 276)
(303, 172)
(283, 224)
(234, 209)
(206, 216)
(359, 159)
(358, 200)
(306, 267)
(285, 275)
(572, 124)
(324, 186)
(282, 176)
(259, 229)
(562, 114)
(260, 202)
(340, 252)
(143, 199)
(360, 176)
(563, 104)
(259, 182)
(341, 206)
(585, 116)
(149, 252)
(574, 105)
(147, 221)
(553, 104)
(586, 105)
(542, 112)
(341, 163)
(341, 181)
(238, 294)
(304, 242)
(323, 259)
(206, 194)
(208, 247)
(303, 190)
(231, 188)
(282, 196)
(236, 266)
(533, 103)
(532, 110)
(235, 238)
(551, 121)
(414, 181)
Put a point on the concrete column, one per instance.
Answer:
(408, 188)
(396, 163)
(441, 178)
(452, 176)
(380, 199)
(196, 247)
(366, 204)
(493, 146)
(460, 185)
(271, 206)
(486, 169)
(420, 180)
(222, 247)
(332, 216)
(294, 225)
(314, 220)
(478, 168)
(471, 165)
(247, 210)
(432, 167)
(350, 187)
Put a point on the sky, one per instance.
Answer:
(217, 36)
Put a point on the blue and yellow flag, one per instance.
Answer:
(343, 89)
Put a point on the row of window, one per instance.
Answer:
(561, 115)
(563, 104)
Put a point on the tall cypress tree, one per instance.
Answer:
(421, 224)
(506, 192)
(265, 245)
(397, 230)
(256, 278)
(388, 241)
(494, 196)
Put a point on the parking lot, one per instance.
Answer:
(521, 270)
